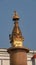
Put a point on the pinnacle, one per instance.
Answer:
(15, 16)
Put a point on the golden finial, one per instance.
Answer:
(16, 37)
(15, 16)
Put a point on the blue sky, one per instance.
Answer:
(26, 9)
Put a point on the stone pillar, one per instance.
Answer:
(18, 56)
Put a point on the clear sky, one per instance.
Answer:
(26, 9)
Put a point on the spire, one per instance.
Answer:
(15, 16)
(16, 33)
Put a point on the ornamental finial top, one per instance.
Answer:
(15, 16)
